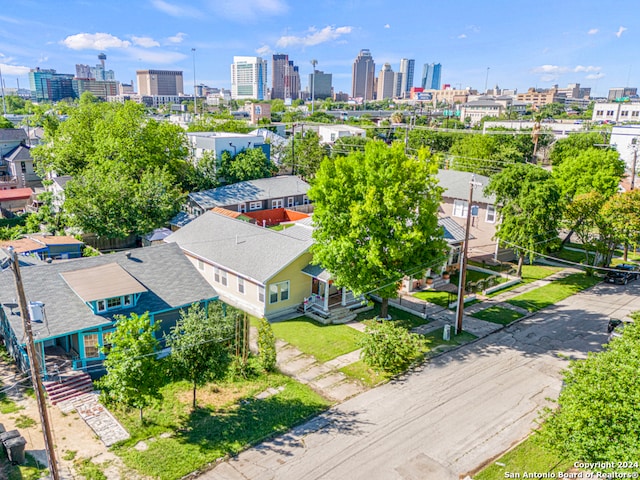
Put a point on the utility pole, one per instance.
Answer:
(634, 146)
(195, 90)
(293, 149)
(463, 258)
(34, 365)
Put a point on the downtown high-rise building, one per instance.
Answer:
(431, 76)
(248, 78)
(285, 78)
(49, 86)
(320, 84)
(407, 69)
(386, 83)
(160, 82)
(363, 76)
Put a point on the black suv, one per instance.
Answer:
(622, 274)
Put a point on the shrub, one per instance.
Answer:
(389, 347)
(266, 346)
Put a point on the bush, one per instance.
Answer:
(266, 346)
(389, 347)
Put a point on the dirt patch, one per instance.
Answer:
(71, 435)
(214, 396)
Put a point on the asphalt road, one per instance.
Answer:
(458, 411)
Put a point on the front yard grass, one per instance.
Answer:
(554, 292)
(178, 440)
(575, 256)
(495, 314)
(530, 273)
(406, 319)
(434, 339)
(529, 456)
(437, 298)
(324, 342)
(368, 376)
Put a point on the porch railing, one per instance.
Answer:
(313, 302)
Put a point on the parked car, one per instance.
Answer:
(622, 274)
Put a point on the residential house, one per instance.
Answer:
(74, 305)
(218, 142)
(15, 199)
(284, 191)
(264, 272)
(16, 164)
(484, 218)
(331, 133)
(46, 246)
(57, 187)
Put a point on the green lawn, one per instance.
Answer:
(495, 314)
(434, 339)
(554, 292)
(572, 255)
(361, 371)
(228, 420)
(472, 276)
(406, 319)
(529, 456)
(325, 342)
(31, 470)
(437, 298)
(530, 273)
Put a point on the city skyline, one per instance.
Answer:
(510, 44)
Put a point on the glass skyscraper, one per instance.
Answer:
(431, 76)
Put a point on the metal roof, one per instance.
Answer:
(456, 185)
(101, 282)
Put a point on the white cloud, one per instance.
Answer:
(595, 76)
(550, 69)
(13, 69)
(177, 38)
(146, 42)
(620, 31)
(593, 31)
(314, 37)
(462, 35)
(590, 68)
(176, 10)
(263, 50)
(94, 41)
(386, 25)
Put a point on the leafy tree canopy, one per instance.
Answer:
(343, 146)
(305, 154)
(592, 169)
(598, 419)
(573, 145)
(376, 217)
(4, 123)
(246, 165)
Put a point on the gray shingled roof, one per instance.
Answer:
(170, 277)
(18, 154)
(252, 251)
(453, 233)
(456, 185)
(250, 191)
(12, 135)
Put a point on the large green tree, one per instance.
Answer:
(598, 419)
(200, 346)
(246, 165)
(622, 213)
(530, 209)
(573, 145)
(132, 377)
(376, 218)
(304, 154)
(590, 170)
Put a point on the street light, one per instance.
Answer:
(195, 92)
(314, 62)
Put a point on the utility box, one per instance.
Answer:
(446, 333)
(15, 449)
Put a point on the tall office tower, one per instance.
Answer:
(397, 84)
(431, 76)
(248, 78)
(363, 75)
(83, 71)
(407, 68)
(49, 86)
(280, 76)
(385, 83)
(159, 82)
(321, 83)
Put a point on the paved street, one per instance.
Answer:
(461, 409)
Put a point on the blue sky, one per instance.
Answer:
(519, 44)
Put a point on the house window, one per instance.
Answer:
(223, 277)
(290, 202)
(216, 274)
(599, 112)
(101, 306)
(200, 265)
(609, 113)
(261, 294)
(460, 208)
(106, 342)
(634, 114)
(491, 214)
(255, 205)
(277, 203)
(91, 345)
(279, 292)
(624, 113)
(127, 300)
(23, 167)
(240, 285)
(242, 207)
(305, 200)
(114, 302)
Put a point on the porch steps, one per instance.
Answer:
(71, 384)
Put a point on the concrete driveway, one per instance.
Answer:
(460, 410)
